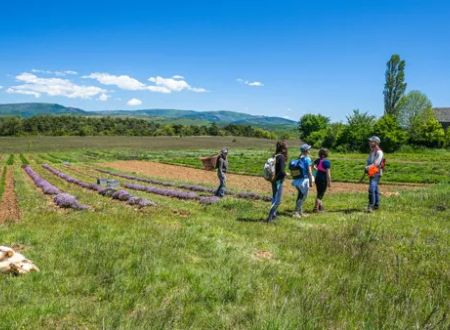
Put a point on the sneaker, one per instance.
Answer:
(370, 209)
(297, 215)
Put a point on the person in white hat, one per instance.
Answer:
(375, 171)
(301, 172)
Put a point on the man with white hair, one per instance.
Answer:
(374, 169)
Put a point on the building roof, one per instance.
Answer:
(442, 114)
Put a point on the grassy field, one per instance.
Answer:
(432, 166)
(185, 265)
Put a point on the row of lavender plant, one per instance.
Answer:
(244, 195)
(61, 199)
(121, 195)
(174, 193)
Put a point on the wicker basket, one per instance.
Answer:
(209, 163)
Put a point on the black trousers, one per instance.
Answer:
(321, 186)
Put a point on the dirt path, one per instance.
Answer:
(9, 209)
(235, 181)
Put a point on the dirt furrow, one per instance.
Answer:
(9, 208)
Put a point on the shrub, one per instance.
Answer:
(310, 123)
(354, 135)
(391, 134)
(427, 131)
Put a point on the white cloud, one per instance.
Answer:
(174, 84)
(250, 83)
(134, 102)
(255, 83)
(1, 87)
(103, 97)
(36, 86)
(122, 81)
(56, 73)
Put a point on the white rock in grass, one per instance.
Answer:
(15, 263)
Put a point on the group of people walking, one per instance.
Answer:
(305, 173)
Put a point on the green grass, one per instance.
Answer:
(10, 160)
(23, 159)
(182, 265)
(51, 143)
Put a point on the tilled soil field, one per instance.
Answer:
(235, 182)
(9, 209)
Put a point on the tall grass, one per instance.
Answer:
(184, 265)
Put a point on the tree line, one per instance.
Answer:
(407, 119)
(109, 126)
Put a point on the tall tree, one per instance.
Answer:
(411, 105)
(395, 85)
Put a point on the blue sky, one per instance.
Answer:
(282, 58)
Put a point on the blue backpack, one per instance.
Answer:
(298, 168)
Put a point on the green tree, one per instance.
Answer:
(391, 134)
(310, 123)
(355, 134)
(411, 105)
(426, 130)
(395, 85)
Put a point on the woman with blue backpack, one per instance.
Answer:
(301, 172)
(277, 175)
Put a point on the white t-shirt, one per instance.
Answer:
(375, 158)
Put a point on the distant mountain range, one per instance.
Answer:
(172, 116)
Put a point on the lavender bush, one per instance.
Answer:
(46, 187)
(206, 200)
(68, 201)
(243, 195)
(61, 199)
(121, 195)
(163, 192)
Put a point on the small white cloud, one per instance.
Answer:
(250, 83)
(122, 81)
(134, 102)
(255, 83)
(55, 73)
(174, 84)
(103, 97)
(36, 86)
(1, 87)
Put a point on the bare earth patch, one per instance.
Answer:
(263, 255)
(9, 209)
(235, 182)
